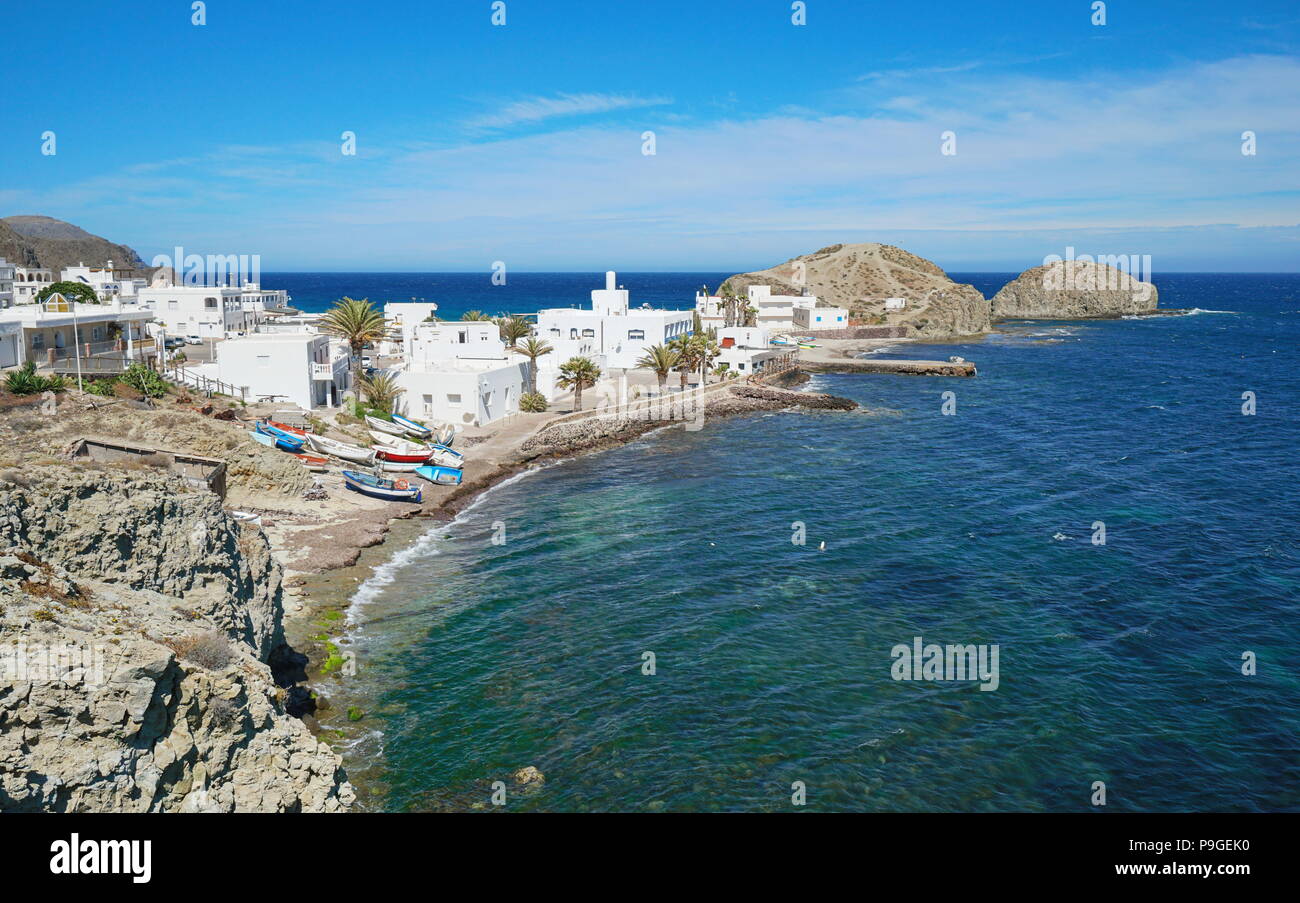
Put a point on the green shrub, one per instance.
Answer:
(103, 387)
(533, 403)
(145, 381)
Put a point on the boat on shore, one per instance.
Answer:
(384, 453)
(354, 453)
(380, 488)
(282, 440)
(417, 430)
(312, 462)
(399, 466)
(385, 426)
(441, 454)
(443, 476)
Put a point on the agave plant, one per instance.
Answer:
(24, 380)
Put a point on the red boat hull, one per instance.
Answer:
(400, 459)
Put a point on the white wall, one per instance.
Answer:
(821, 318)
(463, 395)
(271, 364)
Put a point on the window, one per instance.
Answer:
(428, 404)
(210, 303)
(573, 333)
(555, 332)
(462, 337)
(173, 305)
(589, 333)
(264, 360)
(453, 401)
(636, 335)
(38, 340)
(97, 334)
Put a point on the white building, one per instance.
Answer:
(298, 368)
(895, 303)
(57, 331)
(7, 271)
(460, 372)
(811, 319)
(774, 312)
(107, 281)
(206, 312)
(29, 282)
(616, 334)
(745, 349)
(402, 318)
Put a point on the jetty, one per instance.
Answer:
(909, 368)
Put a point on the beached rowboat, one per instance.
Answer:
(353, 453)
(441, 454)
(282, 440)
(385, 426)
(312, 462)
(378, 487)
(385, 453)
(418, 430)
(400, 446)
(399, 466)
(435, 473)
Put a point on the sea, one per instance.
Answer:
(712, 620)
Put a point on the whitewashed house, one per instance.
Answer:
(57, 331)
(745, 349)
(616, 335)
(29, 282)
(402, 318)
(206, 312)
(7, 271)
(299, 368)
(811, 319)
(460, 372)
(108, 282)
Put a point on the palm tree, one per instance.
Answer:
(685, 351)
(532, 349)
(578, 373)
(660, 359)
(357, 322)
(381, 391)
(474, 315)
(513, 329)
(707, 351)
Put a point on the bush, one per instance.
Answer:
(101, 387)
(209, 650)
(145, 381)
(533, 403)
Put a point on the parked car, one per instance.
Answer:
(193, 340)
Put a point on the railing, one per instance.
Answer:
(205, 384)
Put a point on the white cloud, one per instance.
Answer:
(536, 109)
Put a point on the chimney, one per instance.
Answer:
(609, 280)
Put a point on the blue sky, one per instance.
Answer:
(522, 143)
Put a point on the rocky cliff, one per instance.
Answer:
(859, 277)
(42, 241)
(139, 626)
(1073, 290)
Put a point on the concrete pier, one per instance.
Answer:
(910, 368)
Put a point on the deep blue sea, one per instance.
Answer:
(1120, 663)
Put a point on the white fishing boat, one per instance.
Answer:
(398, 446)
(385, 426)
(441, 454)
(354, 453)
(400, 466)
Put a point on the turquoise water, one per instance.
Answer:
(1118, 662)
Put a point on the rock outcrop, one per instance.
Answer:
(139, 626)
(48, 242)
(859, 277)
(1073, 290)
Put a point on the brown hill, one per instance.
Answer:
(859, 277)
(47, 242)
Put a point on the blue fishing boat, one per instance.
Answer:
(437, 473)
(417, 430)
(378, 487)
(286, 441)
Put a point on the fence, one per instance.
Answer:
(179, 373)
